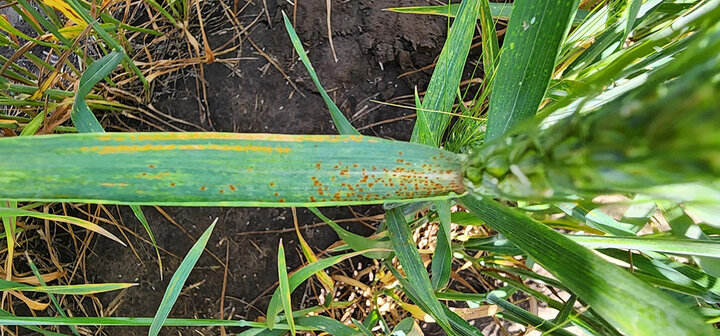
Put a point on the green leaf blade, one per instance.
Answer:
(284, 289)
(82, 117)
(527, 60)
(178, 279)
(357, 242)
(343, 125)
(440, 95)
(625, 301)
(441, 265)
(409, 257)
(225, 169)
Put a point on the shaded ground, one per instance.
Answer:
(373, 48)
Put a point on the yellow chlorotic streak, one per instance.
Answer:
(235, 136)
(63, 7)
(154, 148)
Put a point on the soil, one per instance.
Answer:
(373, 48)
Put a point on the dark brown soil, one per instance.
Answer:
(373, 47)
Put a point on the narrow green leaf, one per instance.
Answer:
(596, 218)
(52, 297)
(465, 218)
(442, 258)
(34, 124)
(328, 325)
(662, 271)
(66, 289)
(632, 10)
(409, 257)
(141, 216)
(440, 94)
(407, 327)
(374, 318)
(495, 244)
(567, 308)
(164, 12)
(10, 29)
(262, 332)
(613, 38)
(5, 314)
(105, 36)
(224, 169)
(295, 279)
(497, 10)
(527, 61)
(132, 321)
(357, 242)
(458, 326)
(490, 44)
(81, 115)
(362, 328)
(44, 22)
(343, 125)
(285, 291)
(629, 304)
(688, 247)
(12, 212)
(518, 314)
(178, 280)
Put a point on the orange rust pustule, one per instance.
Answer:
(354, 182)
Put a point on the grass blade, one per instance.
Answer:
(295, 279)
(328, 325)
(83, 119)
(12, 212)
(517, 314)
(178, 279)
(596, 219)
(132, 321)
(362, 328)
(409, 258)
(141, 217)
(66, 289)
(629, 304)
(527, 60)
(668, 245)
(284, 290)
(357, 242)
(440, 94)
(54, 300)
(457, 324)
(5, 314)
(497, 10)
(224, 169)
(490, 44)
(442, 258)
(343, 125)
